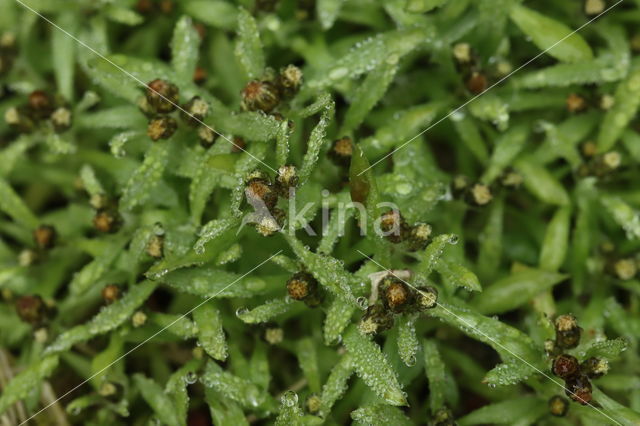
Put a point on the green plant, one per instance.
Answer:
(175, 245)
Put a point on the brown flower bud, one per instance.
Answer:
(107, 221)
(45, 237)
(341, 151)
(162, 96)
(260, 95)
(238, 144)
(40, 104)
(31, 309)
(110, 293)
(477, 83)
(396, 295)
(579, 389)
(161, 128)
(166, 7)
(393, 226)
(199, 75)
(259, 192)
(565, 366)
(558, 406)
(576, 103)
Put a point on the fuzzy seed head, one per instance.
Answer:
(273, 335)
(206, 136)
(198, 108)
(290, 80)
(607, 102)
(462, 53)
(625, 269)
(419, 236)
(313, 404)
(611, 160)
(594, 7)
(341, 151)
(27, 257)
(566, 322)
(162, 96)
(12, 116)
(260, 95)
(459, 185)
(41, 335)
(138, 319)
(287, 178)
(161, 128)
(45, 237)
(565, 366)
(269, 224)
(558, 406)
(155, 246)
(61, 119)
(579, 389)
(481, 194)
(301, 285)
(110, 293)
(427, 298)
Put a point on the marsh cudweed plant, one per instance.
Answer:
(319, 212)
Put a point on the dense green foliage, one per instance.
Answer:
(156, 298)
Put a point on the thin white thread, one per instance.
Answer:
(142, 83)
(151, 337)
(494, 341)
(490, 87)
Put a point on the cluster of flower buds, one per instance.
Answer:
(304, 287)
(40, 110)
(396, 297)
(468, 64)
(477, 194)
(266, 94)
(8, 52)
(575, 374)
(110, 293)
(396, 230)
(161, 99)
(262, 195)
(598, 165)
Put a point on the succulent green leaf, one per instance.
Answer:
(28, 380)
(248, 45)
(551, 36)
(155, 396)
(210, 333)
(184, 49)
(373, 367)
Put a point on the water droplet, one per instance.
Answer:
(241, 311)
(75, 411)
(289, 398)
(362, 302)
(453, 239)
(392, 59)
(411, 361)
(158, 229)
(190, 378)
